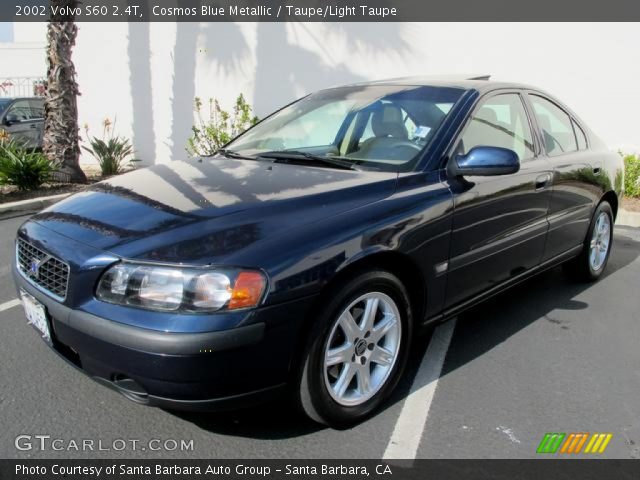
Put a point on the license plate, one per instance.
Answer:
(36, 314)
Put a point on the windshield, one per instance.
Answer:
(382, 127)
(3, 104)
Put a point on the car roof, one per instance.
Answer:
(480, 82)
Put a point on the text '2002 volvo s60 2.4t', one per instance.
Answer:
(306, 254)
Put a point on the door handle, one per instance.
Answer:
(542, 181)
(34, 126)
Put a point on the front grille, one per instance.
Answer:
(42, 269)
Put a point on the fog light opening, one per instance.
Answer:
(128, 386)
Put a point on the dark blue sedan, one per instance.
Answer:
(306, 254)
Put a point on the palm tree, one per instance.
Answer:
(61, 133)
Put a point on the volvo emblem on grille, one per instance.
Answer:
(34, 268)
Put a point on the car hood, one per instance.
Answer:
(203, 210)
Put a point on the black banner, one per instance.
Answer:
(317, 10)
(321, 469)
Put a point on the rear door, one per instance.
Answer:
(572, 195)
(499, 222)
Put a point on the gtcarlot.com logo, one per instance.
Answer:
(574, 442)
(45, 443)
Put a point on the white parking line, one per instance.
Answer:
(10, 304)
(409, 428)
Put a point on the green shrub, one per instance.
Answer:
(113, 153)
(23, 168)
(632, 175)
(219, 128)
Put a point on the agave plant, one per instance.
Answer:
(23, 168)
(113, 154)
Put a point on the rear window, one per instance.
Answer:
(556, 126)
(580, 136)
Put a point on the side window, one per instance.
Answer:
(556, 127)
(501, 121)
(580, 136)
(20, 110)
(37, 108)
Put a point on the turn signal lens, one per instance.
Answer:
(247, 290)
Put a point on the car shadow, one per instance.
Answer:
(531, 301)
(275, 420)
(509, 312)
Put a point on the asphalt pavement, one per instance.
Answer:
(547, 356)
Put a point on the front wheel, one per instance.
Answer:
(357, 351)
(590, 264)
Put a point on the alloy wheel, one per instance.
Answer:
(362, 349)
(600, 240)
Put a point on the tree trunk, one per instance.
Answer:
(61, 142)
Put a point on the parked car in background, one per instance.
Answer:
(306, 254)
(23, 120)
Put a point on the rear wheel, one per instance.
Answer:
(592, 261)
(357, 350)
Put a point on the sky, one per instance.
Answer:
(6, 32)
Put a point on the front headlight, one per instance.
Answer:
(168, 288)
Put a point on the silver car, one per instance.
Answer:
(23, 120)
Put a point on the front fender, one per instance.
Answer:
(415, 222)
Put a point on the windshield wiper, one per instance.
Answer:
(231, 154)
(293, 155)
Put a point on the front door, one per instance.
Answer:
(499, 222)
(37, 116)
(20, 124)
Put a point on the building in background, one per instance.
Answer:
(145, 75)
(22, 57)
(6, 32)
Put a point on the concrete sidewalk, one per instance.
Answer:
(628, 218)
(31, 205)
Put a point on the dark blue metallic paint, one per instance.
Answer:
(449, 238)
(486, 161)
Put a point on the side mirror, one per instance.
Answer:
(485, 161)
(10, 120)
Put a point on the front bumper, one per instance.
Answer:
(186, 371)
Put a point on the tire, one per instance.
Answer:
(592, 261)
(339, 395)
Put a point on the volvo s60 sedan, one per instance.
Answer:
(305, 255)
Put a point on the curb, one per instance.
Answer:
(31, 205)
(627, 218)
